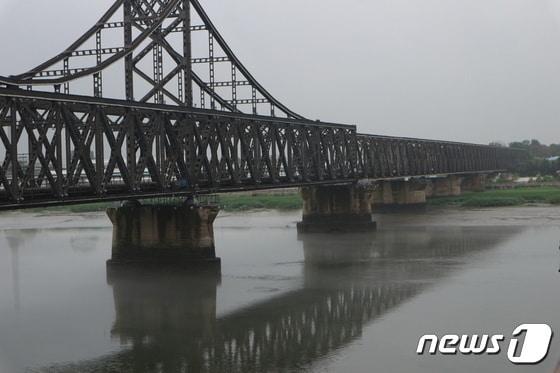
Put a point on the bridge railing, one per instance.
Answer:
(79, 147)
(387, 157)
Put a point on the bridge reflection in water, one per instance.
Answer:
(168, 321)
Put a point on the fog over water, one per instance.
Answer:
(477, 70)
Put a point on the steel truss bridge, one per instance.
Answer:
(181, 115)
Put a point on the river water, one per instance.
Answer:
(318, 303)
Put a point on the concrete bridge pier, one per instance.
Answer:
(399, 194)
(444, 187)
(337, 208)
(474, 183)
(181, 235)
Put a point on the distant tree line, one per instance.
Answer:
(541, 160)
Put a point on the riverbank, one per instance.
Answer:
(291, 200)
(228, 202)
(502, 197)
(261, 201)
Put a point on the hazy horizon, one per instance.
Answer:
(475, 71)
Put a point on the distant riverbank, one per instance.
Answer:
(291, 200)
(228, 202)
(490, 198)
(502, 197)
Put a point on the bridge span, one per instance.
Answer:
(151, 101)
(62, 149)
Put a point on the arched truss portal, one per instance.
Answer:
(153, 59)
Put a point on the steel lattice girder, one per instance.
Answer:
(58, 148)
(390, 157)
(64, 148)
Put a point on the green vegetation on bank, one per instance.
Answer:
(497, 198)
(261, 201)
(540, 161)
(293, 201)
(228, 202)
(490, 198)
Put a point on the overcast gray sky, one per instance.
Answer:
(468, 70)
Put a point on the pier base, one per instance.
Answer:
(339, 208)
(163, 235)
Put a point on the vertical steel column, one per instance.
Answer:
(212, 68)
(254, 100)
(189, 143)
(159, 142)
(128, 60)
(159, 99)
(202, 99)
(274, 161)
(316, 154)
(289, 149)
(31, 166)
(303, 147)
(58, 149)
(234, 86)
(130, 123)
(99, 152)
(68, 159)
(180, 82)
(187, 54)
(13, 148)
(257, 150)
(66, 84)
(98, 77)
(158, 73)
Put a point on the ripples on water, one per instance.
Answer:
(355, 302)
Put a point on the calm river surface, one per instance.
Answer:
(318, 303)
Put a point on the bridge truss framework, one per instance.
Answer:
(154, 138)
